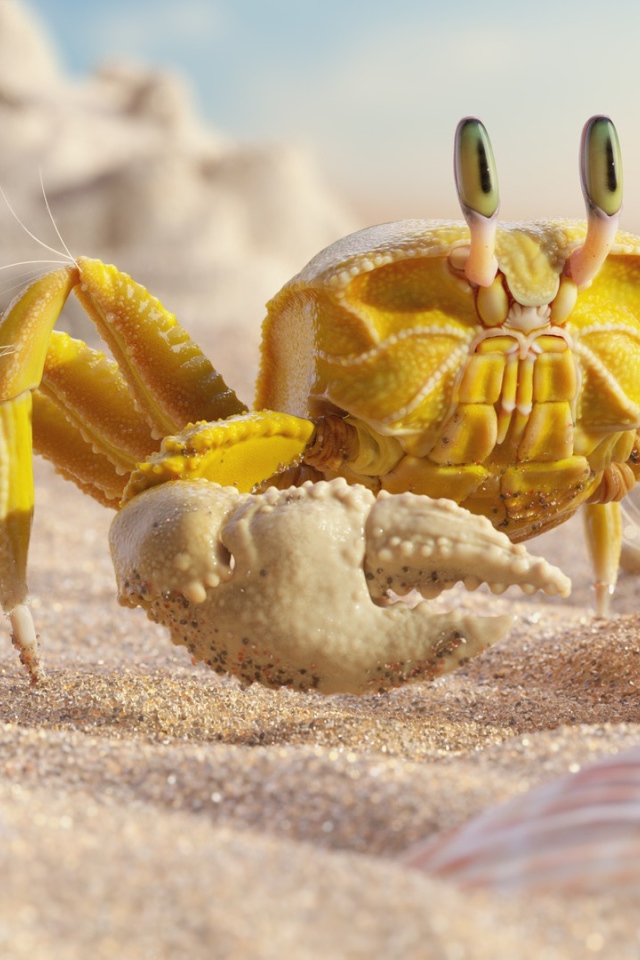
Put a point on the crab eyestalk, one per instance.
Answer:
(601, 180)
(477, 186)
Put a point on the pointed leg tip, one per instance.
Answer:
(25, 640)
(604, 592)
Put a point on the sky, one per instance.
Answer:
(376, 88)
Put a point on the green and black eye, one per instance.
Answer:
(475, 169)
(601, 166)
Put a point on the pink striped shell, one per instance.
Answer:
(578, 834)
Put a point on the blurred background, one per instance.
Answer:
(211, 147)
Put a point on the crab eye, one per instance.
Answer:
(601, 166)
(475, 169)
(601, 178)
(477, 185)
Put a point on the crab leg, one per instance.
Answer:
(117, 304)
(603, 529)
(57, 439)
(91, 393)
(167, 373)
(175, 385)
(97, 419)
(242, 452)
(24, 334)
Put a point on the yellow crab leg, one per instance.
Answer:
(241, 452)
(86, 424)
(57, 439)
(24, 334)
(603, 527)
(167, 373)
(175, 385)
(85, 420)
(91, 392)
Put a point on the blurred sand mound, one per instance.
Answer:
(135, 177)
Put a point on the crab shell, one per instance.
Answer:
(516, 423)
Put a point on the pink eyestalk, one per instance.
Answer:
(601, 179)
(477, 186)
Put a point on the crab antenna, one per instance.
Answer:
(477, 185)
(601, 179)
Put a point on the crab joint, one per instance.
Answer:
(340, 441)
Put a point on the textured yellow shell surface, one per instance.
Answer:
(380, 326)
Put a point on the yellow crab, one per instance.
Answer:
(411, 365)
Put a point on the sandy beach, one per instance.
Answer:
(150, 809)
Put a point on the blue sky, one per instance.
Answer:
(376, 88)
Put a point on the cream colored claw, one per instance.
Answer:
(415, 543)
(274, 587)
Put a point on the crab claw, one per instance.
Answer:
(416, 543)
(275, 587)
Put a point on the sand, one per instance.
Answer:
(150, 809)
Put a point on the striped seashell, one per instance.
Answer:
(579, 834)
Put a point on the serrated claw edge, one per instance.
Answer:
(284, 587)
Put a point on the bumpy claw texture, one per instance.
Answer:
(281, 588)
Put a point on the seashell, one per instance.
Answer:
(578, 834)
